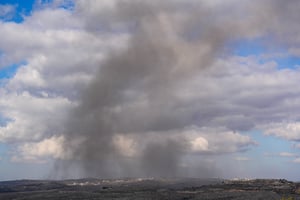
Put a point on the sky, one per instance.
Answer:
(127, 88)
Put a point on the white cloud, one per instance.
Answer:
(28, 76)
(32, 117)
(242, 158)
(297, 160)
(54, 49)
(281, 154)
(199, 144)
(217, 140)
(59, 58)
(126, 145)
(62, 49)
(93, 7)
(287, 154)
(41, 151)
(197, 140)
(286, 130)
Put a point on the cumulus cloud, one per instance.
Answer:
(53, 50)
(27, 115)
(199, 144)
(286, 130)
(126, 145)
(202, 141)
(207, 141)
(37, 152)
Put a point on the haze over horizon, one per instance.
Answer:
(132, 88)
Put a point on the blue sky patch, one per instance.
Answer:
(23, 8)
(4, 120)
(270, 144)
(257, 47)
(10, 71)
(248, 47)
(290, 62)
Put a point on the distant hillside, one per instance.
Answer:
(149, 189)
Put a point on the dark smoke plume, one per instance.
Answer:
(134, 94)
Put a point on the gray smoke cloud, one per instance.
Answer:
(135, 92)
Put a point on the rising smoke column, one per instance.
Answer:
(134, 94)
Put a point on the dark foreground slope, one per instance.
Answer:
(149, 189)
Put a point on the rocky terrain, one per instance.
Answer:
(149, 189)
